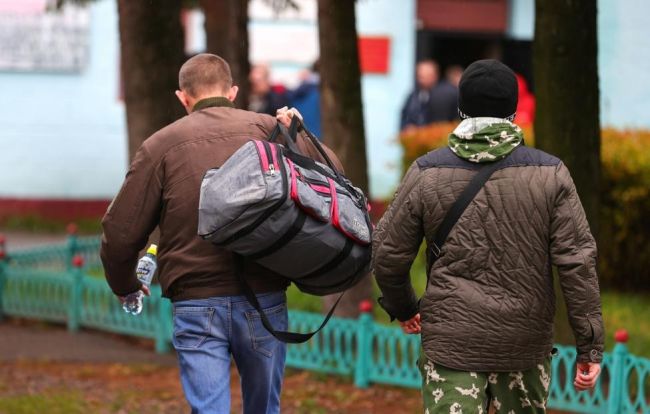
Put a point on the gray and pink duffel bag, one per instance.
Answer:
(297, 217)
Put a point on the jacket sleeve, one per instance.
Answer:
(573, 251)
(396, 242)
(130, 219)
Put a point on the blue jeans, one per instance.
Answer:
(208, 331)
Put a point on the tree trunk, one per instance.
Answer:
(226, 30)
(152, 41)
(342, 116)
(566, 80)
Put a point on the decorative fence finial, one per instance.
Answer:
(365, 306)
(78, 261)
(621, 336)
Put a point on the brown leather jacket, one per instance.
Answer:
(162, 189)
(489, 303)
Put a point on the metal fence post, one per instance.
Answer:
(617, 385)
(3, 255)
(71, 245)
(76, 293)
(364, 345)
(163, 326)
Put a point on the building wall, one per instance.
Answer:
(384, 94)
(623, 57)
(624, 63)
(63, 134)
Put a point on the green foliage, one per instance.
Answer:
(624, 241)
(629, 311)
(301, 301)
(625, 210)
(38, 224)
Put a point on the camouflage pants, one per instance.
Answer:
(449, 391)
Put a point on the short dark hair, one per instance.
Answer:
(203, 73)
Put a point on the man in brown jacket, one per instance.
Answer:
(486, 317)
(212, 318)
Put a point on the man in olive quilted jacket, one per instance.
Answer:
(486, 317)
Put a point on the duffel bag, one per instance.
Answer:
(294, 216)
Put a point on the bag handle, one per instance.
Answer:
(290, 135)
(284, 336)
(457, 210)
(293, 129)
(290, 142)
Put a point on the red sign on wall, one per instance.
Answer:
(374, 53)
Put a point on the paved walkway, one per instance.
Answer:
(21, 340)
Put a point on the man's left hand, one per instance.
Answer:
(411, 326)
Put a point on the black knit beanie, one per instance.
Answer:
(487, 88)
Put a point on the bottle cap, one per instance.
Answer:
(153, 249)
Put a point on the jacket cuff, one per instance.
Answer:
(401, 313)
(594, 354)
(133, 285)
(590, 346)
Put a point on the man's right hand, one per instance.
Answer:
(144, 288)
(412, 326)
(284, 115)
(587, 374)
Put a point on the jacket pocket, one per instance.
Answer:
(261, 340)
(191, 326)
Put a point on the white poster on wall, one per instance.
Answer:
(35, 38)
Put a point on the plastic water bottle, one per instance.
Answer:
(146, 268)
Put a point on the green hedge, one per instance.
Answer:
(624, 245)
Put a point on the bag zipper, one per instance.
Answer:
(269, 156)
(248, 229)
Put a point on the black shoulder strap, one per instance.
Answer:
(457, 209)
(284, 336)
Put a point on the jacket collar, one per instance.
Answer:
(215, 101)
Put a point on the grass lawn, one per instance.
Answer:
(37, 224)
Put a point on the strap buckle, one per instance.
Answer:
(435, 250)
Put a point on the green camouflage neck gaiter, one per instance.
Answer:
(485, 139)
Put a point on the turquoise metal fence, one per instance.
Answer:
(40, 284)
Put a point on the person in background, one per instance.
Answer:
(526, 104)
(431, 101)
(263, 97)
(306, 99)
(453, 74)
(487, 313)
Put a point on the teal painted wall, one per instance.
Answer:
(623, 57)
(384, 95)
(63, 135)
